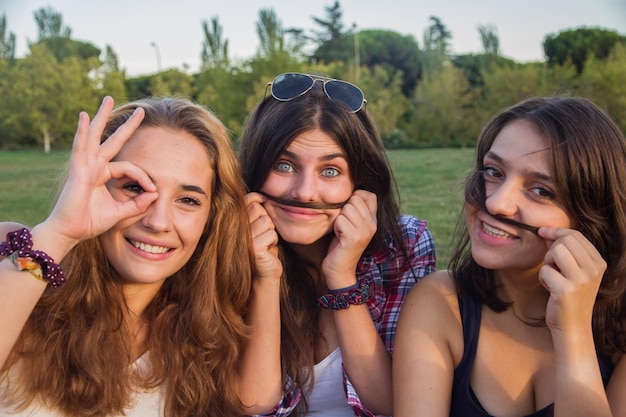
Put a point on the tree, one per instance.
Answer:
(56, 37)
(50, 24)
(444, 104)
(603, 82)
(474, 65)
(9, 136)
(7, 41)
(226, 93)
(270, 31)
(436, 44)
(331, 38)
(392, 51)
(214, 47)
(171, 83)
(110, 62)
(386, 105)
(505, 86)
(110, 79)
(489, 39)
(48, 95)
(576, 45)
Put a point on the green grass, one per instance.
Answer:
(428, 181)
(29, 181)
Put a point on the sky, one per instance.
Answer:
(150, 34)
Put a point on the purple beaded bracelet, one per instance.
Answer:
(359, 293)
(19, 248)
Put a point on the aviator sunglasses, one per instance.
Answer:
(290, 85)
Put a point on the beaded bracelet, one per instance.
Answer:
(19, 249)
(340, 299)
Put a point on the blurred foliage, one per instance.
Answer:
(418, 96)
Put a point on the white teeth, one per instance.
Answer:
(492, 231)
(149, 248)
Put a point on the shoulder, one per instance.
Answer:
(434, 300)
(432, 309)
(437, 289)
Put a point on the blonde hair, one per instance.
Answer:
(74, 352)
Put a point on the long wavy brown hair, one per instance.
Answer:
(74, 352)
(588, 164)
(269, 129)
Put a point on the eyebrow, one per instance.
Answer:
(500, 160)
(328, 157)
(187, 187)
(194, 189)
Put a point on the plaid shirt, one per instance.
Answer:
(391, 279)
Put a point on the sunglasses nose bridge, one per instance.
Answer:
(316, 80)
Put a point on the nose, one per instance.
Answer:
(158, 216)
(305, 187)
(503, 198)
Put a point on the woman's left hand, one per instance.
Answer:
(354, 228)
(572, 273)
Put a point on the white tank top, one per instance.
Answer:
(328, 398)
(145, 404)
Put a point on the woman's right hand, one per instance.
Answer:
(85, 207)
(264, 238)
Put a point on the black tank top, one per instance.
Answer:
(464, 401)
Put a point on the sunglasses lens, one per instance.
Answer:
(345, 92)
(291, 85)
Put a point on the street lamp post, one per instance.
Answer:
(158, 55)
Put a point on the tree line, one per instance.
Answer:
(420, 95)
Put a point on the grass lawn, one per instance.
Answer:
(428, 180)
(430, 187)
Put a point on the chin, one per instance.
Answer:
(295, 238)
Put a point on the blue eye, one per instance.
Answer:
(283, 166)
(330, 172)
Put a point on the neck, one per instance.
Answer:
(525, 292)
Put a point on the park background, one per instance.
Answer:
(428, 102)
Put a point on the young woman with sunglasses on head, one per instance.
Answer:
(530, 319)
(334, 257)
(144, 316)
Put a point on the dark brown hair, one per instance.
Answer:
(588, 164)
(269, 130)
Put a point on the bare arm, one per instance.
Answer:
(84, 192)
(428, 340)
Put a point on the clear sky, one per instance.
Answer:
(132, 27)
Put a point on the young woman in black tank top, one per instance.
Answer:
(529, 320)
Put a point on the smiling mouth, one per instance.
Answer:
(512, 222)
(300, 204)
(149, 248)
